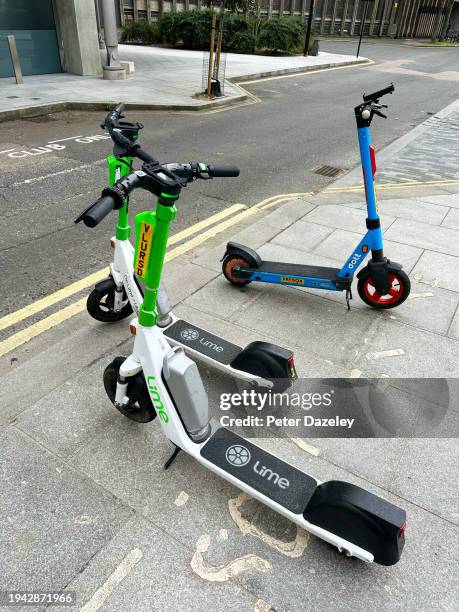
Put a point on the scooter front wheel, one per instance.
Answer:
(399, 290)
(139, 408)
(100, 303)
(227, 268)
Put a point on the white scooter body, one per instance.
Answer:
(121, 271)
(149, 354)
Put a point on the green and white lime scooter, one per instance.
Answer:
(260, 363)
(158, 379)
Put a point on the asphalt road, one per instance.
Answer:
(301, 123)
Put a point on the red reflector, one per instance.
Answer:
(291, 367)
(403, 529)
(373, 159)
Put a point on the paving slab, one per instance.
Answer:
(30, 379)
(452, 219)
(182, 278)
(424, 354)
(425, 236)
(426, 476)
(161, 579)
(438, 270)
(444, 200)
(343, 217)
(66, 419)
(303, 235)
(305, 327)
(341, 243)
(289, 212)
(413, 208)
(429, 308)
(54, 519)
(453, 331)
(222, 299)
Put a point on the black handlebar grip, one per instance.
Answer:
(379, 94)
(119, 108)
(99, 210)
(143, 155)
(224, 171)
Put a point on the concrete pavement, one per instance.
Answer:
(163, 79)
(88, 507)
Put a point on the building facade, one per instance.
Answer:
(397, 18)
(51, 36)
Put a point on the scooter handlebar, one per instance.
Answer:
(98, 211)
(143, 155)
(373, 97)
(113, 115)
(215, 171)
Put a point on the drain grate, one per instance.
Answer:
(329, 171)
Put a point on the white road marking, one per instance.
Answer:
(64, 139)
(37, 179)
(261, 606)
(388, 353)
(293, 549)
(120, 573)
(426, 294)
(181, 499)
(223, 534)
(223, 573)
(52, 145)
(312, 450)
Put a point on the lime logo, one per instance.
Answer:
(156, 399)
(292, 279)
(268, 474)
(189, 334)
(238, 455)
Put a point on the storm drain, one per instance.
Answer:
(329, 171)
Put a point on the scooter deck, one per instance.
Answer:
(262, 471)
(196, 339)
(290, 269)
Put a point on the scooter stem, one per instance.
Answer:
(165, 213)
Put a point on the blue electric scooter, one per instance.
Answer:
(381, 283)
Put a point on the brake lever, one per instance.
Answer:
(379, 113)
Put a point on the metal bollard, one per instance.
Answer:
(15, 59)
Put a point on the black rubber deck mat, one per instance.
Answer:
(202, 341)
(269, 475)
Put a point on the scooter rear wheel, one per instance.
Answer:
(140, 407)
(227, 268)
(399, 290)
(100, 305)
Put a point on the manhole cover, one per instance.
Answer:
(329, 171)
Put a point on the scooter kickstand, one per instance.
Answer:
(172, 458)
(348, 298)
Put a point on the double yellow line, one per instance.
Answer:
(383, 186)
(216, 224)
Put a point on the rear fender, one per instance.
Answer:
(359, 517)
(265, 360)
(239, 250)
